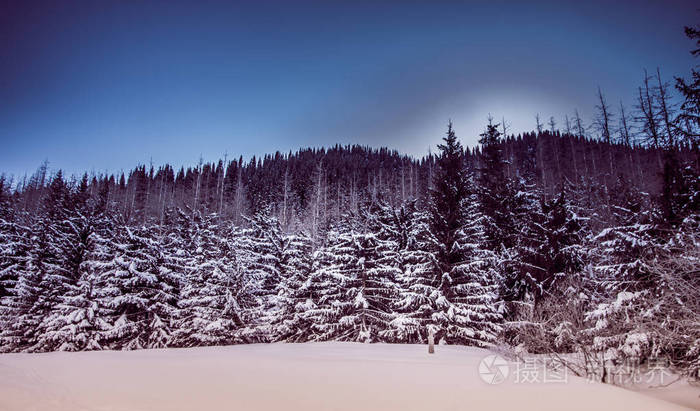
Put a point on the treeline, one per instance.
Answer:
(310, 189)
(550, 241)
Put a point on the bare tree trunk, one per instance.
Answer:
(573, 149)
(403, 183)
(646, 106)
(148, 191)
(555, 148)
(665, 111)
(199, 180)
(604, 125)
(337, 200)
(239, 192)
(625, 132)
(325, 197)
(541, 164)
(316, 207)
(508, 154)
(410, 180)
(538, 123)
(284, 199)
(430, 170)
(223, 182)
(540, 154)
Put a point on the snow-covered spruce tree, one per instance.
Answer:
(355, 277)
(659, 321)
(13, 242)
(674, 314)
(467, 312)
(315, 288)
(620, 274)
(689, 115)
(18, 286)
(518, 270)
(501, 199)
(19, 318)
(46, 276)
(73, 230)
(310, 321)
(210, 307)
(550, 247)
(505, 205)
(621, 250)
(263, 240)
(143, 291)
(647, 276)
(79, 321)
(416, 304)
(604, 312)
(261, 248)
(406, 229)
(474, 311)
(293, 293)
(685, 198)
(550, 259)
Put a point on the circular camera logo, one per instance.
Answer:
(493, 369)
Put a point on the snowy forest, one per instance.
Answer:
(576, 237)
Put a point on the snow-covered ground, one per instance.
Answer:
(322, 376)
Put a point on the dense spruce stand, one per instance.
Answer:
(551, 241)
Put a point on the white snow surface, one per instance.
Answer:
(314, 376)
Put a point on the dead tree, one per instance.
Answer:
(648, 117)
(603, 120)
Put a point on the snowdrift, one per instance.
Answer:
(319, 376)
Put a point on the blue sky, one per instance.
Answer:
(95, 86)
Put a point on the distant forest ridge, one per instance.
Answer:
(334, 180)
